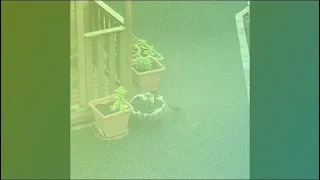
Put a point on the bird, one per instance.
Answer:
(171, 106)
(174, 107)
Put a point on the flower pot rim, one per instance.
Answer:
(107, 99)
(160, 69)
(156, 111)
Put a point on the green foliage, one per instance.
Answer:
(145, 49)
(140, 41)
(148, 52)
(143, 64)
(119, 103)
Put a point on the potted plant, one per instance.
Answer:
(147, 73)
(112, 114)
(148, 107)
(146, 49)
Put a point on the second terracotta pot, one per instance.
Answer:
(148, 81)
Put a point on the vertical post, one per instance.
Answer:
(95, 13)
(81, 53)
(101, 18)
(73, 23)
(112, 65)
(90, 91)
(118, 54)
(88, 50)
(86, 16)
(122, 58)
(73, 34)
(101, 66)
(128, 45)
(94, 25)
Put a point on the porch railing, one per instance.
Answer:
(104, 42)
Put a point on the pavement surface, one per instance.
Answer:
(205, 78)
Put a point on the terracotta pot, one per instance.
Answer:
(148, 81)
(114, 124)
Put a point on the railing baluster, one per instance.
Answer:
(93, 20)
(115, 24)
(90, 17)
(101, 66)
(73, 32)
(86, 16)
(96, 17)
(124, 71)
(109, 23)
(101, 19)
(73, 36)
(127, 48)
(111, 66)
(117, 54)
(106, 25)
(81, 55)
(106, 47)
(89, 61)
(106, 20)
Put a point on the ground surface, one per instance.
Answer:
(205, 77)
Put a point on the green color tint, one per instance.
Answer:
(209, 137)
(284, 90)
(35, 131)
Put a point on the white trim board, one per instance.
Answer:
(244, 48)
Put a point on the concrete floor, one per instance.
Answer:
(205, 77)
